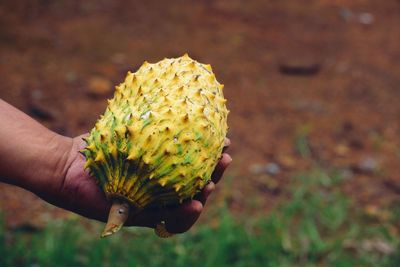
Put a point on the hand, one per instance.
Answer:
(79, 193)
(51, 166)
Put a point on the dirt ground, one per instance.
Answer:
(309, 83)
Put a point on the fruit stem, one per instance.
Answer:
(118, 215)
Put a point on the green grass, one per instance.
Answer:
(318, 226)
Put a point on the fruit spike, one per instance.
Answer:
(159, 139)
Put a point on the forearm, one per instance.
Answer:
(31, 156)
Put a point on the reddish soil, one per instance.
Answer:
(308, 83)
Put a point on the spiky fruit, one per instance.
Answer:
(160, 138)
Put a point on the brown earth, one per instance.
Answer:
(309, 83)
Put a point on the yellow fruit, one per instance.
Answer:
(160, 137)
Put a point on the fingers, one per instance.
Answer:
(223, 163)
(182, 218)
(146, 218)
(178, 219)
(205, 193)
(220, 168)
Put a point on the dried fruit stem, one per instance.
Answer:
(118, 215)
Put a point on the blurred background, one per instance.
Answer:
(314, 93)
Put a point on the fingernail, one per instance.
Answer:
(210, 187)
(227, 141)
(227, 158)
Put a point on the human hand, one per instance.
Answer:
(51, 166)
(79, 193)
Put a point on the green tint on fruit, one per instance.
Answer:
(161, 135)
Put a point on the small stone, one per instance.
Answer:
(366, 18)
(99, 86)
(272, 168)
(299, 66)
(367, 165)
(40, 111)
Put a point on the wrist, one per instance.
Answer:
(50, 167)
(34, 157)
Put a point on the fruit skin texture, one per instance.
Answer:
(161, 135)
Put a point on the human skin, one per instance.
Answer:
(50, 166)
